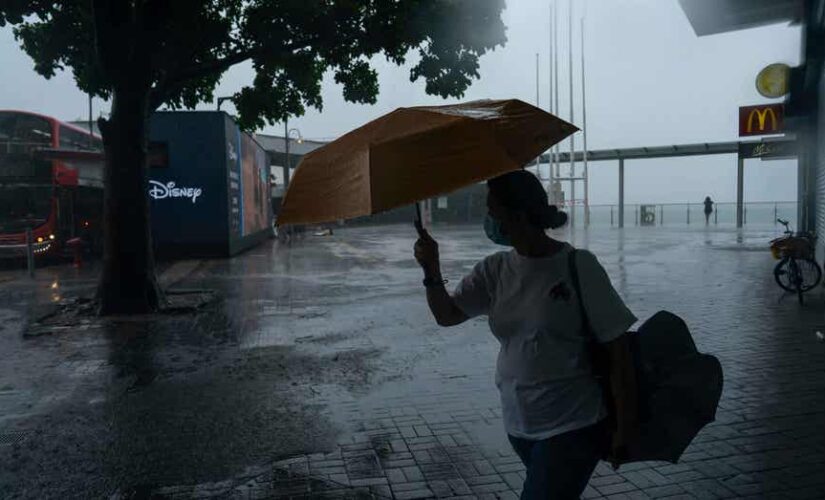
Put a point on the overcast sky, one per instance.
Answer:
(650, 82)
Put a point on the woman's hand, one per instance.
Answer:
(620, 440)
(426, 252)
(444, 310)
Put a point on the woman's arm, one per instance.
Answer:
(444, 309)
(625, 397)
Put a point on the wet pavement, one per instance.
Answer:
(318, 373)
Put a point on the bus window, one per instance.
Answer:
(24, 207)
(76, 140)
(21, 132)
(24, 168)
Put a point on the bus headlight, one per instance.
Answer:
(40, 239)
(51, 236)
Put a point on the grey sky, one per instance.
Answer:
(650, 82)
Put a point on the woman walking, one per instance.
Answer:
(552, 404)
(708, 209)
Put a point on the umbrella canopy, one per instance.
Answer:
(679, 389)
(417, 153)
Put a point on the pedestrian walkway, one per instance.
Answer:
(321, 375)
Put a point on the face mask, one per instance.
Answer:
(493, 229)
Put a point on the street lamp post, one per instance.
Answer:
(221, 100)
(287, 140)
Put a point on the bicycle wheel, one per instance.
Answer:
(797, 279)
(810, 274)
(784, 277)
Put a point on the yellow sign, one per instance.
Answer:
(772, 81)
(762, 116)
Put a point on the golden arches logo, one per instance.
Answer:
(762, 118)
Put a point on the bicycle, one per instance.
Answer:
(797, 270)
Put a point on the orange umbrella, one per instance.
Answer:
(413, 154)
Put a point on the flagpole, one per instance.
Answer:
(556, 77)
(538, 105)
(572, 117)
(584, 133)
(550, 159)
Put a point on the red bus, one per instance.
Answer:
(51, 181)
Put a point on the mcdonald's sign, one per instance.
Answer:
(761, 120)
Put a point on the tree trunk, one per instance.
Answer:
(128, 284)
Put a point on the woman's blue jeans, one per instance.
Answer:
(558, 468)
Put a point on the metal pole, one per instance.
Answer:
(91, 123)
(556, 77)
(740, 192)
(286, 163)
(584, 132)
(30, 252)
(550, 64)
(538, 105)
(551, 158)
(661, 215)
(716, 215)
(572, 117)
(688, 214)
(621, 192)
(611, 215)
(636, 215)
(775, 213)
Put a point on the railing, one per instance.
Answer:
(684, 214)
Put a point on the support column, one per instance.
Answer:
(806, 180)
(621, 192)
(740, 193)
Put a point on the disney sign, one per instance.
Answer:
(159, 191)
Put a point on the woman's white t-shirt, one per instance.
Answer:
(543, 370)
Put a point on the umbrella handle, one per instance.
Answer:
(419, 225)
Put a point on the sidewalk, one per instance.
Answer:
(321, 375)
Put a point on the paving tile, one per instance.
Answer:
(410, 486)
(611, 489)
(413, 473)
(513, 480)
(414, 494)
(488, 479)
(489, 488)
(664, 491)
(607, 480)
(459, 487)
(396, 476)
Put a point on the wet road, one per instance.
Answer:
(324, 352)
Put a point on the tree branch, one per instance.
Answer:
(178, 80)
(211, 67)
(169, 84)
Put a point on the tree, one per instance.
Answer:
(143, 54)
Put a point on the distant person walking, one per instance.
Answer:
(708, 209)
(552, 403)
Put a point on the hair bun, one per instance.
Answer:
(559, 219)
(554, 218)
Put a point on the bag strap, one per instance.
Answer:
(574, 275)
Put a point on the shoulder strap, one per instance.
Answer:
(574, 275)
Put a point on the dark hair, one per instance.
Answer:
(522, 191)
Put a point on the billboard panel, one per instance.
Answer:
(234, 179)
(255, 187)
(186, 183)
